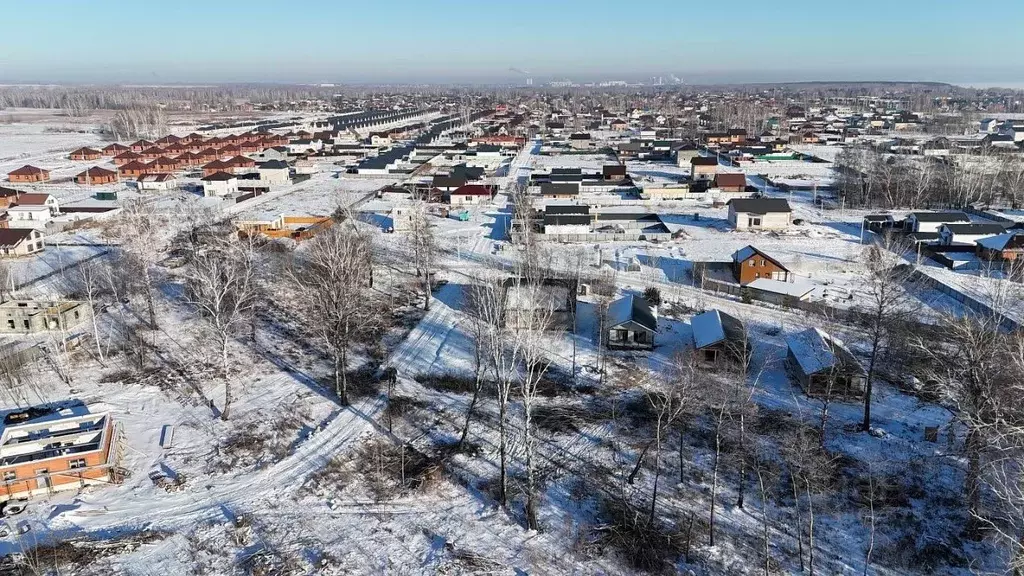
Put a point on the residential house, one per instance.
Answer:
(470, 194)
(950, 234)
(113, 149)
(932, 221)
(567, 219)
(580, 141)
(140, 145)
(823, 366)
(96, 176)
(563, 191)
(274, 172)
(613, 171)
(241, 164)
(759, 213)
(731, 182)
(152, 153)
(447, 184)
(28, 216)
(214, 167)
(164, 164)
(718, 338)
(15, 242)
(749, 264)
(631, 324)
(220, 184)
(157, 182)
(703, 167)
(526, 301)
(29, 174)
(1008, 246)
(684, 153)
(126, 157)
(45, 451)
(41, 199)
(133, 169)
(86, 154)
(8, 197)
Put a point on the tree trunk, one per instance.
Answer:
(502, 441)
(657, 473)
(96, 330)
(147, 278)
(972, 480)
(681, 461)
(742, 481)
(764, 521)
(225, 414)
(531, 502)
(810, 529)
(799, 521)
(341, 375)
(866, 426)
(469, 414)
(426, 291)
(714, 482)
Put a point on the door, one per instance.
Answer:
(43, 479)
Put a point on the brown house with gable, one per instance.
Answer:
(85, 154)
(29, 174)
(749, 264)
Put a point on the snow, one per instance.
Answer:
(707, 328)
(796, 289)
(812, 350)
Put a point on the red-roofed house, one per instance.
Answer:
(85, 154)
(114, 149)
(140, 145)
(126, 157)
(29, 174)
(95, 176)
(46, 200)
(133, 169)
(470, 194)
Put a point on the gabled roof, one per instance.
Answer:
(158, 177)
(1007, 241)
(941, 217)
(219, 177)
(714, 326)
(95, 172)
(631, 309)
(274, 165)
(8, 192)
(134, 165)
(760, 205)
(85, 150)
(33, 199)
(975, 229)
(703, 161)
(559, 189)
(472, 190)
(743, 254)
(14, 236)
(731, 179)
(816, 351)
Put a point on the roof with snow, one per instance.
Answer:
(794, 289)
(714, 326)
(743, 254)
(633, 309)
(816, 351)
(1007, 241)
(974, 229)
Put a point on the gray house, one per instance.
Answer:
(823, 366)
(35, 317)
(718, 338)
(631, 324)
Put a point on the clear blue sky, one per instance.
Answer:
(464, 40)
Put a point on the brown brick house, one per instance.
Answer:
(164, 164)
(42, 451)
(140, 145)
(29, 174)
(214, 167)
(731, 182)
(85, 154)
(168, 140)
(114, 149)
(134, 169)
(95, 176)
(152, 153)
(126, 157)
(749, 264)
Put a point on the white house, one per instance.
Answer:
(760, 213)
(567, 219)
(157, 182)
(28, 216)
(220, 185)
(35, 199)
(932, 221)
(274, 172)
(967, 233)
(470, 194)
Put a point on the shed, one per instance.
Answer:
(717, 337)
(823, 366)
(631, 324)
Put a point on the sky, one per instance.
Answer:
(442, 41)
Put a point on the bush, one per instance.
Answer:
(648, 546)
(653, 296)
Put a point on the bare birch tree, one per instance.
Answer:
(137, 229)
(222, 286)
(424, 249)
(333, 276)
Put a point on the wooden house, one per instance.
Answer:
(1006, 247)
(718, 338)
(823, 366)
(749, 264)
(631, 324)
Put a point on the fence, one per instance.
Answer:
(970, 302)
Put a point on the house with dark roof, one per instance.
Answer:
(823, 366)
(731, 182)
(631, 324)
(470, 194)
(932, 221)
(950, 234)
(96, 176)
(85, 154)
(560, 191)
(749, 264)
(759, 213)
(703, 167)
(29, 174)
(220, 184)
(16, 242)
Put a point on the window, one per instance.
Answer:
(753, 221)
(710, 355)
(10, 475)
(10, 324)
(78, 463)
(751, 262)
(26, 323)
(763, 262)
